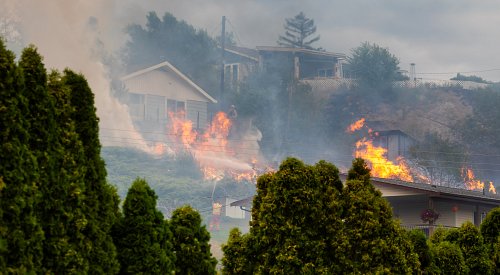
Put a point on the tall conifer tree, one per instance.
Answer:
(143, 238)
(61, 213)
(19, 228)
(295, 219)
(299, 30)
(374, 242)
(101, 200)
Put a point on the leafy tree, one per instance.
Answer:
(374, 66)
(490, 230)
(101, 200)
(20, 230)
(449, 258)
(193, 51)
(472, 78)
(299, 30)
(490, 227)
(143, 238)
(474, 250)
(420, 246)
(236, 254)
(191, 243)
(295, 225)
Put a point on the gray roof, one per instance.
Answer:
(442, 190)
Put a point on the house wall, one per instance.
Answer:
(233, 211)
(197, 113)
(158, 92)
(407, 209)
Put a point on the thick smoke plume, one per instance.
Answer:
(69, 35)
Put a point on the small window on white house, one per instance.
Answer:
(176, 108)
(136, 106)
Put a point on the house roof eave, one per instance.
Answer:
(176, 71)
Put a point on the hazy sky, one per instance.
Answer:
(439, 36)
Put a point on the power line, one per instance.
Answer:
(466, 72)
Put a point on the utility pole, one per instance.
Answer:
(223, 50)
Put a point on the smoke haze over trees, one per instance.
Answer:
(193, 51)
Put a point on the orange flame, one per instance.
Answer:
(212, 149)
(356, 125)
(492, 188)
(472, 183)
(381, 166)
(470, 180)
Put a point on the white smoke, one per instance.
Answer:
(60, 30)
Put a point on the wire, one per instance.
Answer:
(466, 72)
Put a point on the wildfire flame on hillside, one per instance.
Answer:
(383, 168)
(380, 165)
(217, 154)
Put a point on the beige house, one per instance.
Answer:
(156, 91)
(408, 200)
(454, 205)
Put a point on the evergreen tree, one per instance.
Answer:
(420, 246)
(490, 230)
(359, 171)
(61, 214)
(100, 199)
(449, 258)
(298, 32)
(191, 243)
(143, 238)
(375, 243)
(53, 209)
(474, 250)
(490, 227)
(295, 219)
(236, 254)
(21, 233)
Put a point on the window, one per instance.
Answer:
(176, 108)
(231, 74)
(325, 73)
(155, 107)
(136, 106)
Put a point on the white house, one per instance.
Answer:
(156, 91)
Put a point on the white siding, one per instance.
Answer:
(234, 211)
(446, 215)
(464, 213)
(197, 113)
(409, 212)
(390, 191)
